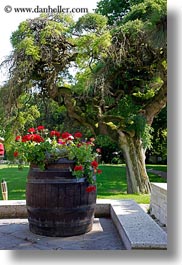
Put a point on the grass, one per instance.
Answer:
(157, 167)
(111, 184)
(16, 181)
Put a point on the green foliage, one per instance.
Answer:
(52, 114)
(149, 90)
(142, 130)
(91, 23)
(27, 44)
(138, 124)
(84, 156)
(147, 137)
(82, 80)
(160, 144)
(159, 134)
(21, 118)
(115, 10)
(39, 53)
(127, 109)
(153, 14)
(132, 28)
(48, 26)
(110, 152)
(22, 32)
(90, 47)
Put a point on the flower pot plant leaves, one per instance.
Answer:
(41, 147)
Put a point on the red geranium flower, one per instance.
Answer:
(15, 154)
(52, 133)
(78, 135)
(94, 164)
(90, 188)
(99, 171)
(55, 133)
(37, 138)
(26, 138)
(40, 146)
(18, 138)
(40, 128)
(58, 134)
(78, 168)
(67, 136)
(31, 130)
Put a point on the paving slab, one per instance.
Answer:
(137, 230)
(15, 235)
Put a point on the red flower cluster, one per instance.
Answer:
(40, 128)
(55, 133)
(90, 188)
(79, 150)
(15, 154)
(94, 164)
(31, 130)
(18, 138)
(78, 135)
(32, 137)
(78, 168)
(67, 136)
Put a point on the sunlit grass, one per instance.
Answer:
(16, 181)
(111, 184)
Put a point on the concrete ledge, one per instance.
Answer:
(136, 228)
(17, 209)
(13, 209)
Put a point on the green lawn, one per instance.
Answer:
(111, 184)
(16, 181)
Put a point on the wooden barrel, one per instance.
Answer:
(57, 203)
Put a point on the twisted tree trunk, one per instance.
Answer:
(134, 154)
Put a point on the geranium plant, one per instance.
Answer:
(41, 146)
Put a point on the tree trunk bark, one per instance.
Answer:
(134, 154)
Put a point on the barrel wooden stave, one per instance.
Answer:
(57, 205)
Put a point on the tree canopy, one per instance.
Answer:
(115, 10)
(120, 81)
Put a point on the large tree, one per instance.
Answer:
(129, 86)
(120, 84)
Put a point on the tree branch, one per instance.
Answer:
(158, 102)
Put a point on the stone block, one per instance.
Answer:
(137, 229)
(158, 202)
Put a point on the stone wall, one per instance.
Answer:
(158, 202)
